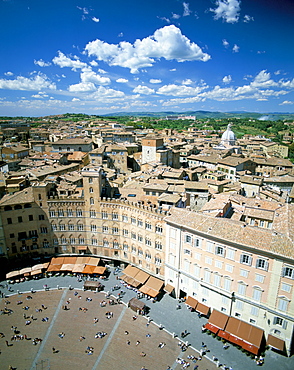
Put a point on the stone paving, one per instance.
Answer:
(112, 351)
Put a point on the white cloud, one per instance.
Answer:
(180, 90)
(263, 79)
(167, 42)
(63, 61)
(155, 81)
(75, 99)
(143, 90)
(236, 48)
(248, 18)
(122, 80)
(120, 34)
(187, 11)
(228, 10)
(225, 43)
(175, 16)
(188, 81)
(227, 79)
(287, 102)
(8, 74)
(101, 71)
(93, 63)
(90, 76)
(38, 82)
(41, 63)
(287, 84)
(102, 93)
(94, 19)
(82, 87)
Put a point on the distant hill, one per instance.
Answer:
(200, 114)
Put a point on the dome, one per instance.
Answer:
(228, 137)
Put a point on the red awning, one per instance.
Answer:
(236, 340)
(211, 328)
(250, 348)
(192, 302)
(223, 334)
(276, 343)
(218, 319)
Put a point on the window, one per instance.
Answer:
(261, 264)
(245, 259)
(173, 233)
(244, 273)
(230, 254)
(240, 305)
(11, 236)
(115, 230)
(90, 180)
(148, 225)
(91, 190)
(105, 229)
(257, 294)
(92, 201)
(217, 280)
(283, 304)
(125, 218)
(9, 221)
(43, 230)
(134, 250)
(92, 213)
(69, 213)
(105, 244)
(94, 241)
(279, 321)
(81, 240)
(259, 278)
(254, 311)
(104, 215)
(227, 284)
(286, 287)
(288, 272)
(79, 213)
(209, 247)
(207, 276)
(197, 243)
(41, 217)
(54, 227)
(242, 288)
(219, 251)
(115, 244)
(61, 227)
(72, 240)
(80, 227)
(158, 229)
(140, 238)
(133, 221)
(157, 261)
(93, 228)
(158, 245)
(188, 239)
(197, 271)
(125, 232)
(60, 213)
(208, 260)
(125, 247)
(218, 264)
(133, 235)
(148, 256)
(229, 268)
(31, 217)
(115, 216)
(19, 218)
(148, 242)
(140, 223)
(52, 213)
(187, 251)
(45, 244)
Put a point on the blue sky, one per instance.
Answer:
(99, 57)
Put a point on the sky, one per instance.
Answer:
(100, 57)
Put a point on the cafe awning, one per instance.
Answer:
(36, 272)
(70, 260)
(53, 268)
(12, 274)
(192, 302)
(130, 271)
(67, 267)
(152, 286)
(57, 261)
(223, 334)
(93, 261)
(40, 266)
(217, 321)
(202, 308)
(99, 270)
(78, 268)
(168, 288)
(88, 269)
(276, 343)
(82, 260)
(25, 270)
(141, 277)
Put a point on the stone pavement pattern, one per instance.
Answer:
(115, 353)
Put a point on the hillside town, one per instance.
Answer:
(210, 215)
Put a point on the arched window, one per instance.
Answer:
(91, 201)
(7, 208)
(27, 205)
(17, 206)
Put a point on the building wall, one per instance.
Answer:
(244, 283)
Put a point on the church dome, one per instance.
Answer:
(228, 137)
